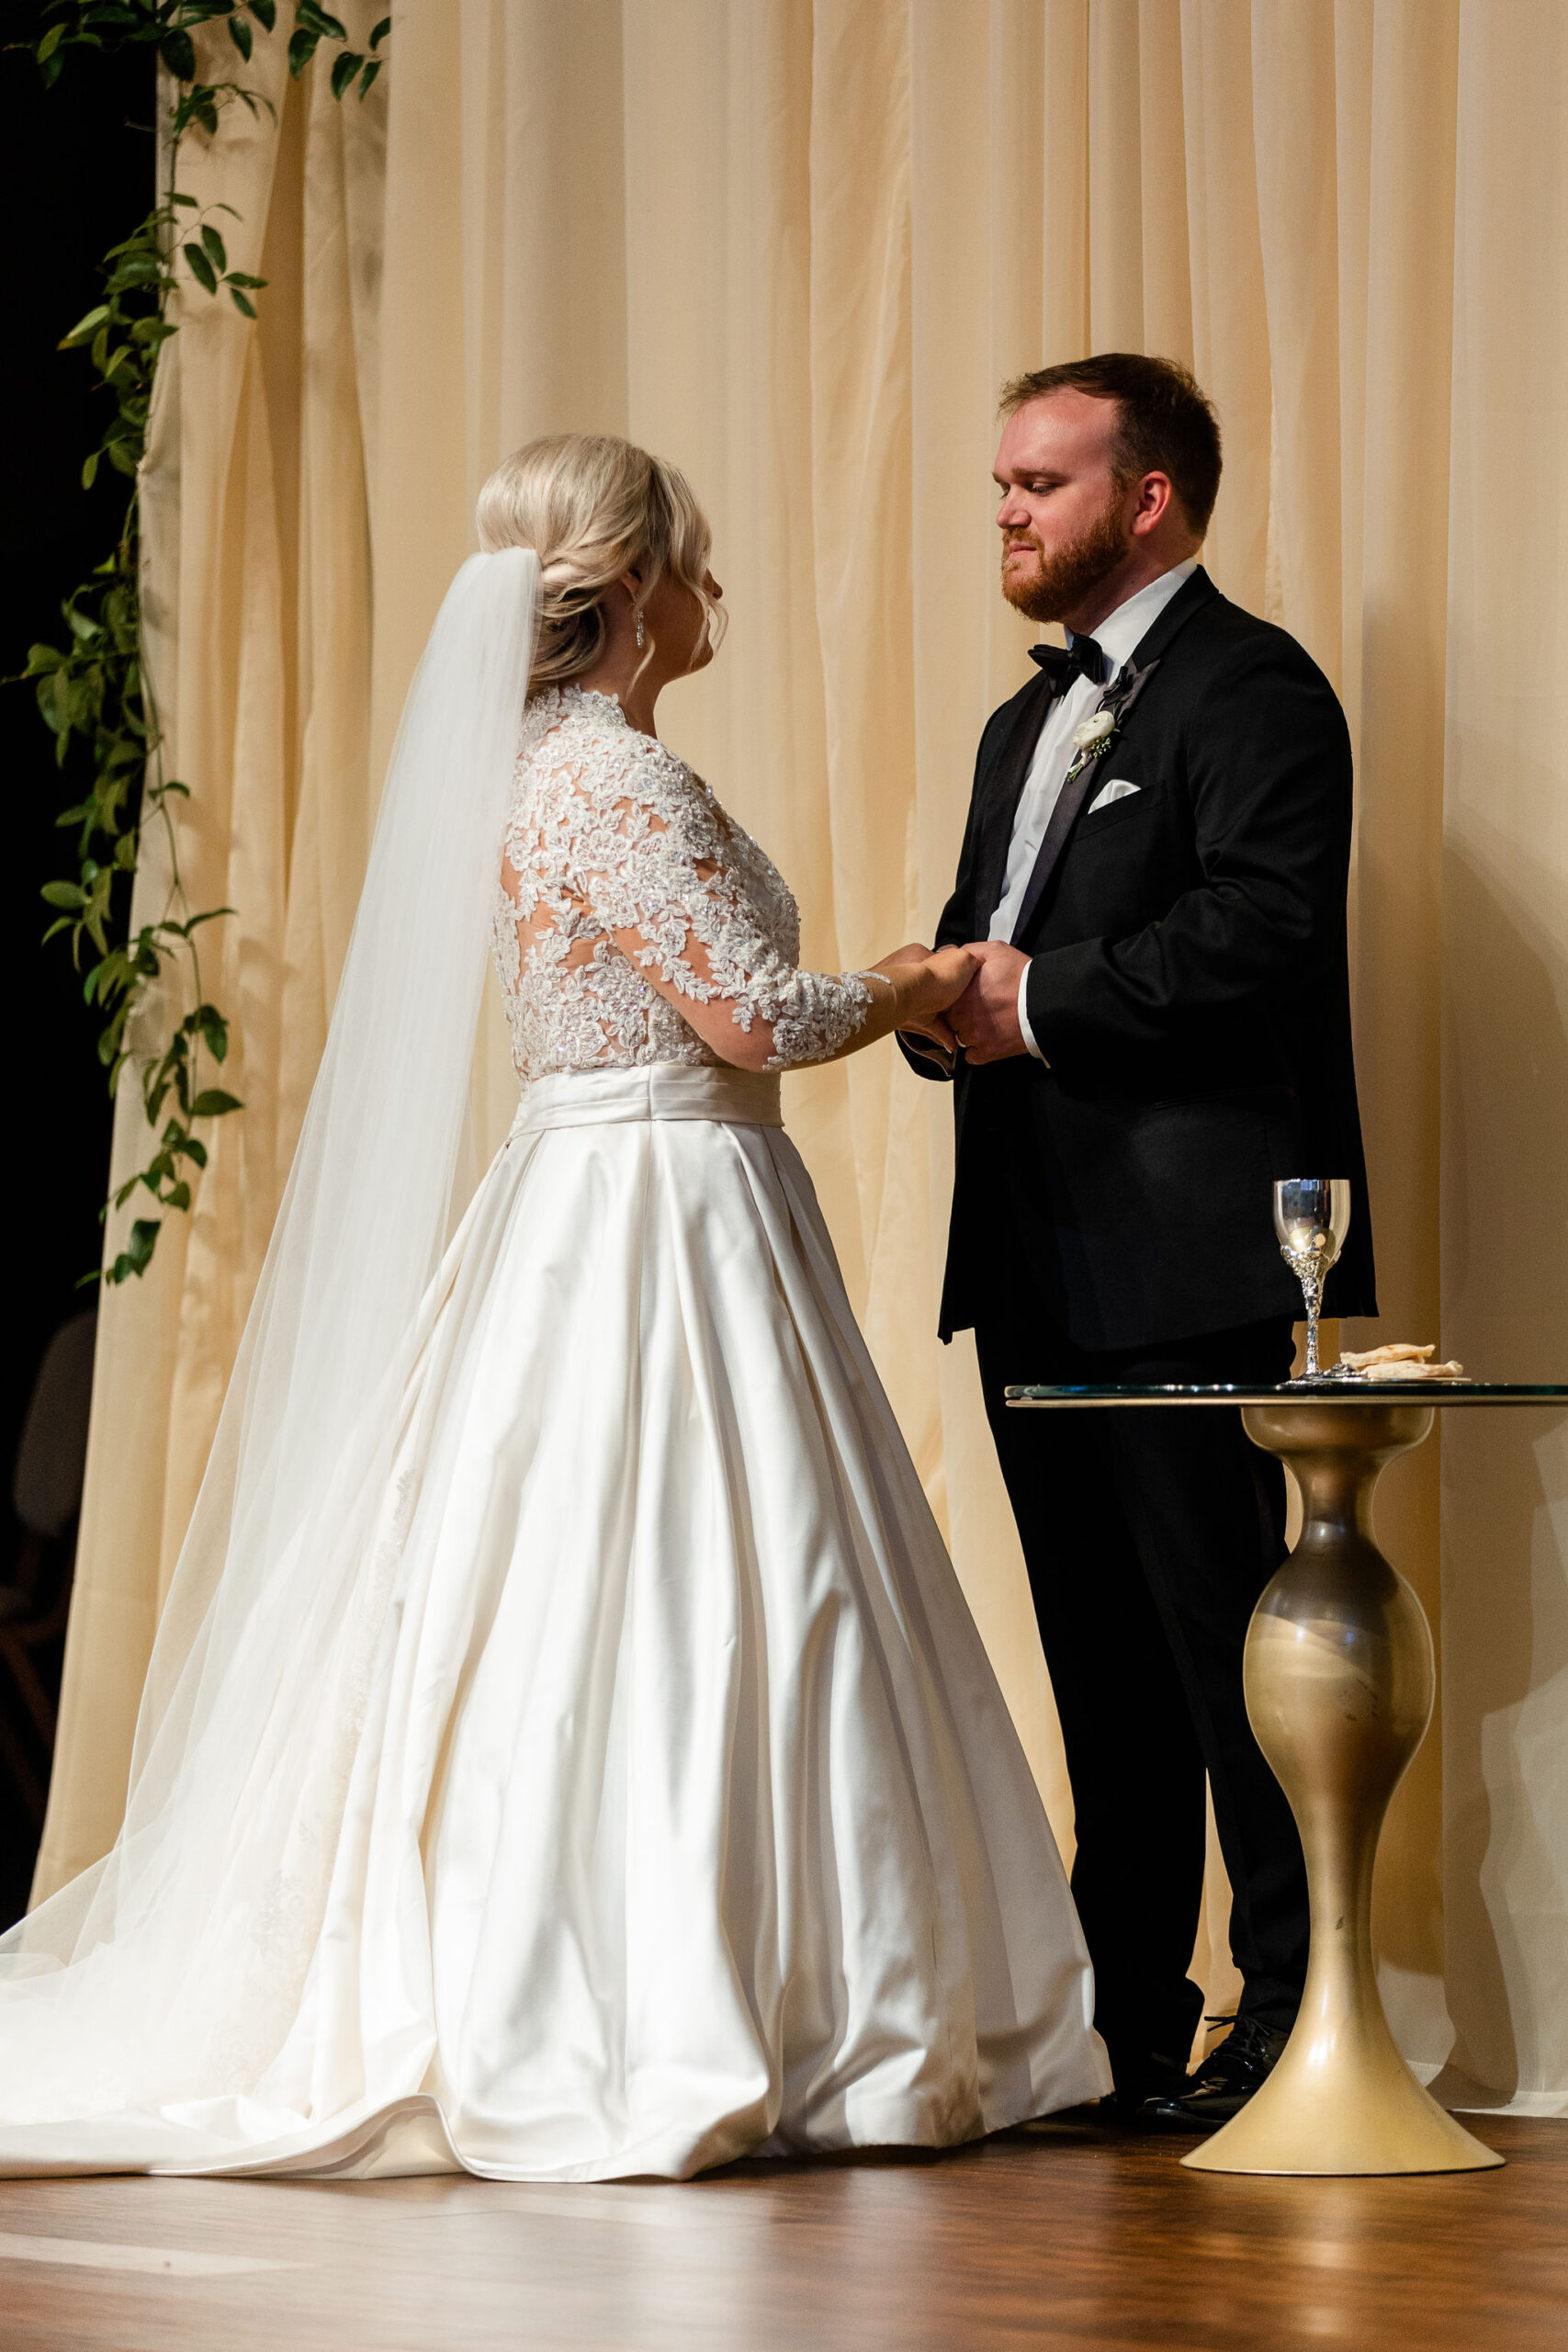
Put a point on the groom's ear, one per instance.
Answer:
(1155, 502)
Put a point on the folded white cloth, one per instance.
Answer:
(1117, 789)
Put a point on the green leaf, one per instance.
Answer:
(369, 74)
(380, 35)
(214, 1031)
(216, 248)
(242, 302)
(84, 328)
(138, 1256)
(50, 43)
(63, 894)
(212, 1103)
(240, 34)
(302, 49)
(307, 13)
(177, 51)
(345, 68)
(201, 269)
(265, 13)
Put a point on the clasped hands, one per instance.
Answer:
(961, 997)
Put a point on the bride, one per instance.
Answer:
(567, 1752)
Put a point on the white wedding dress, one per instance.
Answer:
(667, 1809)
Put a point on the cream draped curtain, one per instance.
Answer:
(795, 245)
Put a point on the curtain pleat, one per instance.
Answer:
(1502, 1204)
(795, 245)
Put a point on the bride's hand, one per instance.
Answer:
(901, 958)
(949, 972)
(918, 986)
(924, 985)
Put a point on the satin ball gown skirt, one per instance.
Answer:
(668, 1811)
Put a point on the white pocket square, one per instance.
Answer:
(1118, 789)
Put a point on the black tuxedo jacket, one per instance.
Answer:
(1187, 986)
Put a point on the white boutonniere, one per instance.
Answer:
(1091, 738)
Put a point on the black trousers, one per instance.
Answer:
(1149, 1534)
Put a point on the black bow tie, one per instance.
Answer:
(1063, 663)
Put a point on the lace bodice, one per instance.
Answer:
(608, 833)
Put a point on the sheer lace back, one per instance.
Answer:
(618, 862)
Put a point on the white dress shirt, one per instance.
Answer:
(1117, 637)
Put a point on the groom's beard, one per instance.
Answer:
(1059, 583)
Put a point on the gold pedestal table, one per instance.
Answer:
(1339, 1682)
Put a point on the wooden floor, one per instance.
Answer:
(1052, 2238)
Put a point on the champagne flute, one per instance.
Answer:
(1312, 1217)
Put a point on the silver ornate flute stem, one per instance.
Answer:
(1308, 1272)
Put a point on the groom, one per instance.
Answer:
(1155, 862)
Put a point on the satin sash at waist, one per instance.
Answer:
(594, 1098)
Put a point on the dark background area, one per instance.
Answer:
(76, 170)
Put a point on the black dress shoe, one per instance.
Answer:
(1223, 2082)
(1142, 2082)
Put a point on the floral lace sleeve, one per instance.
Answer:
(655, 870)
(635, 843)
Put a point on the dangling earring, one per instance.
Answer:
(639, 629)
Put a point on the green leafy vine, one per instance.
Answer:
(94, 688)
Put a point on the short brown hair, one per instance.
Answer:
(1165, 423)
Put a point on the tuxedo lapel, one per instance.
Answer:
(1192, 595)
(1073, 796)
(1003, 788)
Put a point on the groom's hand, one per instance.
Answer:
(985, 1019)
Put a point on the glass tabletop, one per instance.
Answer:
(1303, 1392)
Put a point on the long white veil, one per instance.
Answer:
(256, 1690)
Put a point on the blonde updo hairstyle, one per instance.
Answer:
(593, 506)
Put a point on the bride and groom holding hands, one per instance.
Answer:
(567, 1751)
